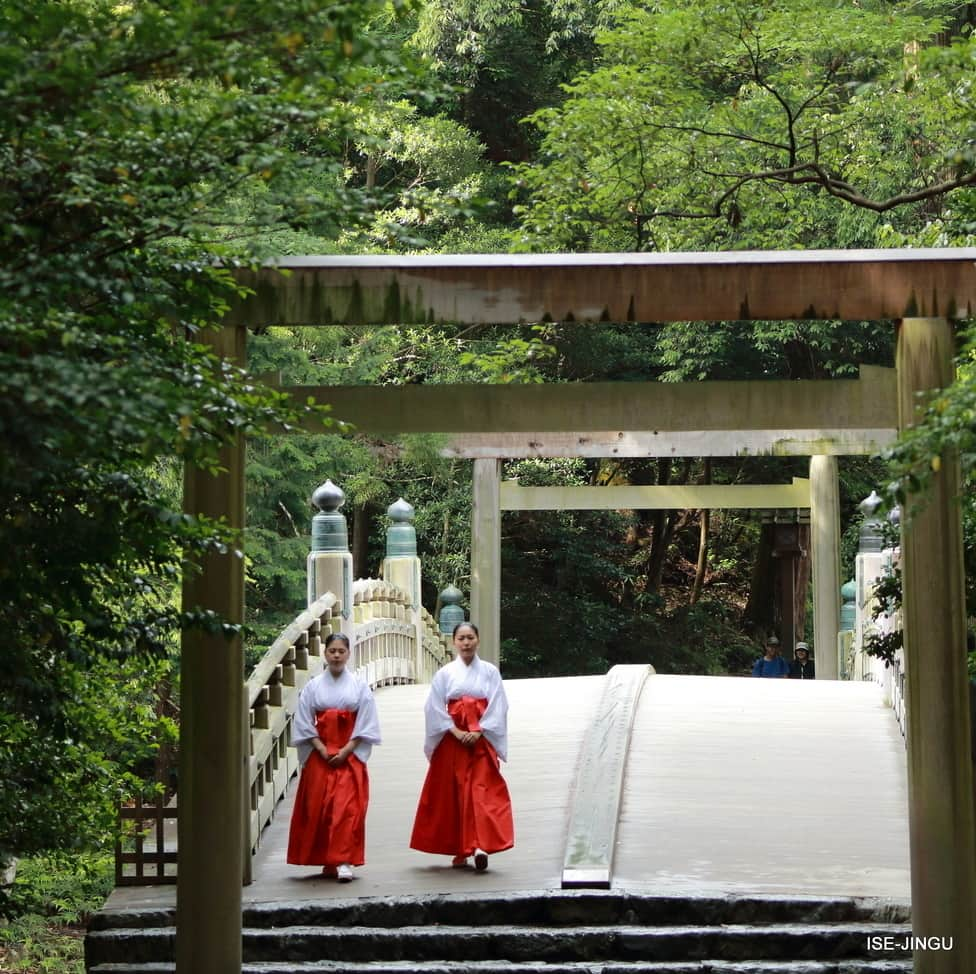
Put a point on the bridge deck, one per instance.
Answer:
(738, 785)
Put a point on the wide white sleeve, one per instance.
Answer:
(367, 726)
(437, 721)
(303, 728)
(494, 722)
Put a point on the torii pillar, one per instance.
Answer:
(940, 773)
(825, 563)
(486, 548)
(213, 753)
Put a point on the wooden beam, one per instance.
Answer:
(670, 443)
(663, 498)
(940, 772)
(833, 407)
(505, 288)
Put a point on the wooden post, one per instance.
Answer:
(486, 557)
(212, 747)
(940, 785)
(825, 545)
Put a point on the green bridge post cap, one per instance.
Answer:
(451, 612)
(848, 608)
(401, 536)
(329, 532)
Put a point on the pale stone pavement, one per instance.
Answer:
(775, 787)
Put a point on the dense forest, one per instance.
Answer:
(150, 147)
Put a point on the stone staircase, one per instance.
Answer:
(568, 932)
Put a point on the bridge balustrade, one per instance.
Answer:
(272, 695)
(392, 644)
(876, 560)
(384, 637)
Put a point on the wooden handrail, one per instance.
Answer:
(381, 627)
(266, 665)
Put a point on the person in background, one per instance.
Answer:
(802, 666)
(464, 808)
(336, 726)
(771, 665)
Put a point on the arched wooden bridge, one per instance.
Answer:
(732, 789)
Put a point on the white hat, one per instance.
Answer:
(803, 646)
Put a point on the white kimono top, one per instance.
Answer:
(456, 680)
(326, 692)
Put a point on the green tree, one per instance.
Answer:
(140, 144)
(507, 58)
(751, 124)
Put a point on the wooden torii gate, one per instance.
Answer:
(921, 290)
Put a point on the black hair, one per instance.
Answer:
(332, 637)
(461, 625)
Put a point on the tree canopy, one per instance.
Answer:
(744, 124)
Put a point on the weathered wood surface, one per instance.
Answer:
(486, 556)
(213, 821)
(775, 787)
(505, 288)
(825, 562)
(591, 833)
(670, 497)
(867, 403)
(936, 694)
(671, 443)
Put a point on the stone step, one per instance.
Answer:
(556, 909)
(459, 945)
(578, 967)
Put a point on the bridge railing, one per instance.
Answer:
(392, 644)
(272, 692)
(874, 562)
(394, 640)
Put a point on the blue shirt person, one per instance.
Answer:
(771, 665)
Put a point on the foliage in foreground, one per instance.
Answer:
(42, 914)
(139, 142)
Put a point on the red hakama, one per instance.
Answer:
(464, 804)
(328, 824)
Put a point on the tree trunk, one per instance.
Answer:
(165, 759)
(445, 537)
(759, 613)
(663, 526)
(659, 532)
(706, 517)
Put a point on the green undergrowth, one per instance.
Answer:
(43, 913)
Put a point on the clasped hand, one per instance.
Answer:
(467, 738)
